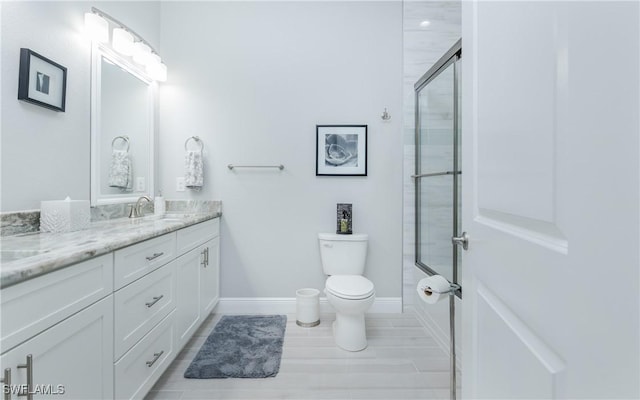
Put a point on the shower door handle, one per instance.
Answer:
(462, 240)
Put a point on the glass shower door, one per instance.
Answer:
(438, 169)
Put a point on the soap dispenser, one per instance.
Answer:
(159, 204)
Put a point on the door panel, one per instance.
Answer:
(550, 186)
(436, 227)
(523, 363)
(437, 197)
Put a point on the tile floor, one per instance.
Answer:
(401, 362)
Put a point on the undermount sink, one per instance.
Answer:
(165, 217)
(13, 255)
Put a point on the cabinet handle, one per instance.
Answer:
(154, 256)
(206, 257)
(156, 356)
(6, 384)
(203, 253)
(29, 366)
(155, 300)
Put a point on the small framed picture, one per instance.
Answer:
(42, 81)
(341, 150)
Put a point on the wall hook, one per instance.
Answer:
(385, 115)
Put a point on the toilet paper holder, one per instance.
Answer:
(453, 288)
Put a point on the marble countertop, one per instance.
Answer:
(29, 255)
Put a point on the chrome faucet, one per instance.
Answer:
(136, 211)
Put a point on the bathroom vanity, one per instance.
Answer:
(103, 313)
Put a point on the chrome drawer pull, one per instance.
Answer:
(155, 300)
(156, 356)
(206, 257)
(29, 367)
(154, 256)
(6, 384)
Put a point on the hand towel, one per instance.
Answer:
(121, 173)
(194, 169)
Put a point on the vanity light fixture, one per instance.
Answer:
(157, 71)
(141, 53)
(155, 68)
(126, 42)
(96, 27)
(123, 41)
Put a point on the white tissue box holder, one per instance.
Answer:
(64, 215)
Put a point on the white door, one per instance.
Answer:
(550, 199)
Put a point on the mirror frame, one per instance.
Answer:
(98, 51)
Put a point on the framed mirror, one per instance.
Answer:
(123, 107)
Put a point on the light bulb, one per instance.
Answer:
(122, 41)
(141, 52)
(153, 58)
(96, 27)
(157, 71)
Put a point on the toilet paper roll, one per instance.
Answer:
(432, 289)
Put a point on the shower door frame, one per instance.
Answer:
(452, 56)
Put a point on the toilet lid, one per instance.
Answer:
(350, 286)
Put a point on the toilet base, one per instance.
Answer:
(349, 332)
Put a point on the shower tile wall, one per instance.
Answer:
(423, 46)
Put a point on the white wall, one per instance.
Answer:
(253, 80)
(45, 154)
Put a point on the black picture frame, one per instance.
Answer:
(42, 81)
(341, 150)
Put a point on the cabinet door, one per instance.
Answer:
(209, 277)
(188, 295)
(71, 360)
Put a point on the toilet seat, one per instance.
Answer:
(350, 287)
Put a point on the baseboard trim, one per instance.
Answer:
(287, 305)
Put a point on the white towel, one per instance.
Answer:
(121, 173)
(194, 169)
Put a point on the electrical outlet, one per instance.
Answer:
(180, 184)
(140, 184)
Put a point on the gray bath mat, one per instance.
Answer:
(241, 346)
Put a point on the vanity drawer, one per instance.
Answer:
(138, 260)
(140, 368)
(142, 304)
(30, 307)
(191, 237)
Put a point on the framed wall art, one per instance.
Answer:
(341, 150)
(42, 81)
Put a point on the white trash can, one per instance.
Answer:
(307, 307)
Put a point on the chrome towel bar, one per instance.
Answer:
(437, 174)
(279, 166)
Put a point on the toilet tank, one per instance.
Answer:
(343, 254)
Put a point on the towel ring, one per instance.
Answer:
(195, 138)
(125, 138)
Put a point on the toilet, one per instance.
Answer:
(349, 293)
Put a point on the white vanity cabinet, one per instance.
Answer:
(108, 327)
(57, 333)
(210, 277)
(158, 312)
(70, 360)
(198, 288)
